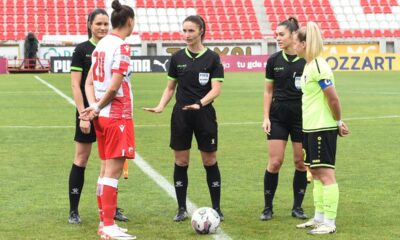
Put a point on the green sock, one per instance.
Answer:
(331, 200)
(318, 196)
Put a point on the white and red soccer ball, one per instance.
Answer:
(205, 220)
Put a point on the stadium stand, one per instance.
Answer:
(226, 19)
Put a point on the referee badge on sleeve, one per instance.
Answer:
(204, 78)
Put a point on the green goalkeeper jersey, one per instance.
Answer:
(317, 115)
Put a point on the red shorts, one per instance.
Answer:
(115, 138)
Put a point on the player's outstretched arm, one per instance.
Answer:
(165, 98)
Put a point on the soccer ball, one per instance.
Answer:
(205, 220)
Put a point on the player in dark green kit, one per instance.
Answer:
(197, 73)
(282, 117)
(322, 122)
(98, 26)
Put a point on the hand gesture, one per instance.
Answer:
(153, 110)
(85, 126)
(343, 130)
(88, 114)
(195, 106)
(267, 126)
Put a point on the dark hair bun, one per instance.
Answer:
(293, 20)
(116, 5)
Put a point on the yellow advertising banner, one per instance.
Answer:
(338, 49)
(364, 62)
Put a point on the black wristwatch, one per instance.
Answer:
(199, 103)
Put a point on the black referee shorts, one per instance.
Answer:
(286, 119)
(202, 122)
(82, 137)
(320, 149)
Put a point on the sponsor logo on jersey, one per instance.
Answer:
(279, 69)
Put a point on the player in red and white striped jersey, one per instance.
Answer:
(108, 90)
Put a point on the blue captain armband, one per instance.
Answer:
(324, 83)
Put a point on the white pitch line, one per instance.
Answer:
(169, 189)
(221, 124)
(150, 171)
(70, 100)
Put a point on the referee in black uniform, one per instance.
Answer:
(282, 117)
(197, 74)
(98, 26)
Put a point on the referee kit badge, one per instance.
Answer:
(204, 78)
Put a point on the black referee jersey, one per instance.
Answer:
(285, 71)
(194, 74)
(82, 61)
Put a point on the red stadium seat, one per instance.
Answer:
(176, 36)
(72, 29)
(268, 3)
(368, 33)
(337, 34)
(388, 33)
(357, 33)
(347, 34)
(257, 34)
(219, 3)
(377, 33)
(165, 36)
(367, 10)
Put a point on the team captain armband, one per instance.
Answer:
(324, 83)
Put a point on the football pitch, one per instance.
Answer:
(36, 152)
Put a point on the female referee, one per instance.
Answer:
(84, 131)
(322, 122)
(197, 73)
(108, 90)
(282, 117)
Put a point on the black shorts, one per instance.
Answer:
(82, 137)
(202, 122)
(286, 119)
(320, 149)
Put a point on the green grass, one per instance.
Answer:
(35, 163)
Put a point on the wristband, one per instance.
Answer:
(96, 107)
(339, 123)
(199, 103)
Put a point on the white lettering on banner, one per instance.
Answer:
(62, 66)
(141, 65)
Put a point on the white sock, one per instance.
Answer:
(319, 216)
(329, 222)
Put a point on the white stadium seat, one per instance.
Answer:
(370, 17)
(338, 10)
(173, 19)
(154, 28)
(364, 25)
(181, 12)
(151, 12)
(171, 11)
(161, 12)
(374, 25)
(165, 27)
(141, 11)
(358, 10)
(351, 18)
(341, 18)
(361, 17)
(175, 28)
(344, 25)
(191, 11)
(348, 10)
